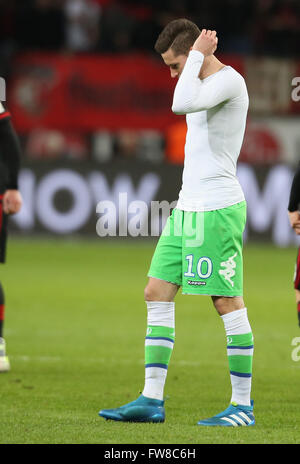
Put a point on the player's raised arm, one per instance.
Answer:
(294, 203)
(193, 94)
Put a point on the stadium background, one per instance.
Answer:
(89, 95)
(90, 100)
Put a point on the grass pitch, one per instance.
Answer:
(75, 327)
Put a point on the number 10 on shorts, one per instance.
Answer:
(204, 267)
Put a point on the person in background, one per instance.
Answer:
(294, 217)
(10, 203)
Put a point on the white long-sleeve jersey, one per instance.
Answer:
(216, 110)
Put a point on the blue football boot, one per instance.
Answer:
(141, 410)
(235, 415)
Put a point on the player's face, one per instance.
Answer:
(175, 63)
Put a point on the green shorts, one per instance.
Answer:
(202, 251)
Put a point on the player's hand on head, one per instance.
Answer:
(12, 201)
(206, 43)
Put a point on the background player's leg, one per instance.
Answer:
(2, 310)
(297, 284)
(239, 346)
(4, 362)
(298, 305)
(160, 336)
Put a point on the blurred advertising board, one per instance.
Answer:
(133, 199)
(273, 85)
(85, 93)
(270, 140)
(90, 92)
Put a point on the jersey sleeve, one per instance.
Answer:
(10, 150)
(193, 94)
(294, 200)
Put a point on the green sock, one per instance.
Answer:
(159, 344)
(240, 357)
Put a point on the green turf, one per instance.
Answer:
(75, 326)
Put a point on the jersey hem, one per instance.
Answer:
(165, 280)
(208, 208)
(212, 294)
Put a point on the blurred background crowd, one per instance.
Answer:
(112, 26)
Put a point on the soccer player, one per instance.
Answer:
(10, 203)
(200, 248)
(294, 216)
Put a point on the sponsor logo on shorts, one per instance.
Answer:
(195, 282)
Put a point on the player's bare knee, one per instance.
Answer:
(150, 293)
(153, 292)
(225, 304)
(158, 290)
